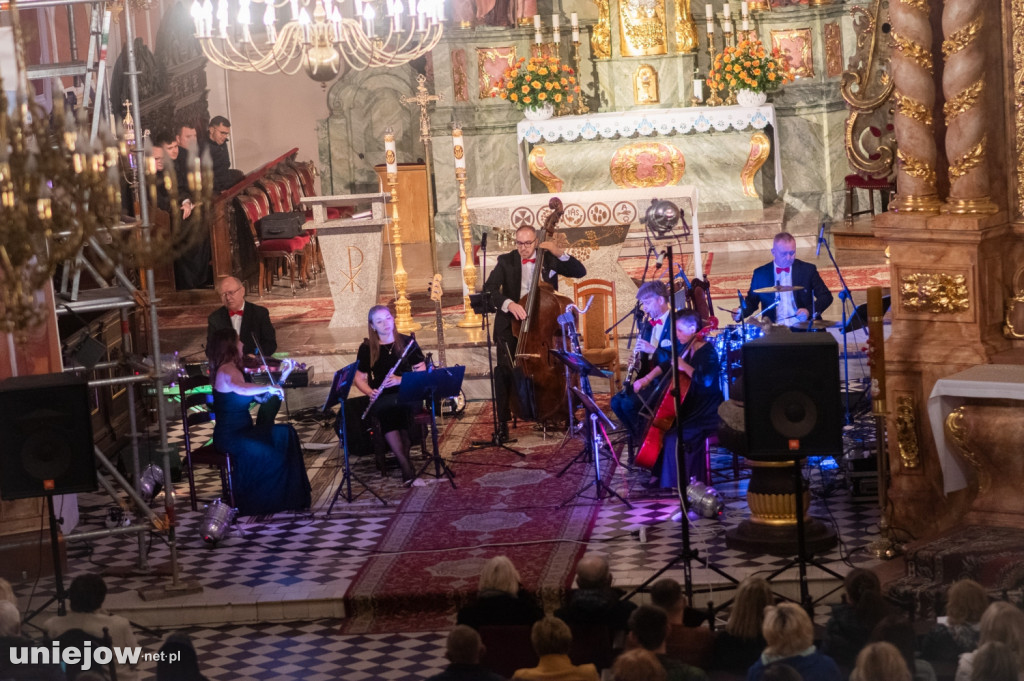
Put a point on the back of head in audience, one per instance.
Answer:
(667, 594)
(1004, 622)
(752, 597)
(499, 574)
(7, 593)
(464, 646)
(897, 630)
(864, 593)
(185, 665)
(592, 572)
(639, 665)
(994, 661)
(648, 627)
(777, 671)
(87, 593)
(10, 619)
(967, 602)
(880, 661)
(551, 636)
(787, 630)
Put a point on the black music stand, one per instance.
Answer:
(577, 365)
(417, 386)
(599, 421)
(340, 386)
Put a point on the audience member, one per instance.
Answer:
(851, 623)
(958, 632)
(778, 671)
(12, 640)
(741, 643)
(1002, 622)
(216, 143)
(464, 650)
(85, 596)
(552, 639)
(994, 661)
(648, 627)
(178, 660)
(595, 600)
(789, 634)
(7, 592)
(692, 645)
(897, 630)
(500, 598)
(880, 661)
(638, 665)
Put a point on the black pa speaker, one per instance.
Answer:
(791, 396)
(45, 436)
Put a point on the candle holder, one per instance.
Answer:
(693, 97)
(470, 319)
(403, 309)
(581, 107)
(760, 6)
(712, 99)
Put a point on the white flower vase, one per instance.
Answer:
(750, 99)
(540, 114)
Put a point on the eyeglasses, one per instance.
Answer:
(225, 294)
(525, 243)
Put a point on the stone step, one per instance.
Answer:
(856, 237)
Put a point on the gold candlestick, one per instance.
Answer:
(470, 319)
(581, 107)
(403, 310)
(712, 99)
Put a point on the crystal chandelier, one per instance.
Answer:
(368, 34)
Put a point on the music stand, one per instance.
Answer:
(340, 386)
(577, 365)
(599, 421)
(441, 382)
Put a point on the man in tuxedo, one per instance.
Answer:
(793, 308)
(507, 284)
(252, 323)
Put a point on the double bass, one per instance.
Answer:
(540, 382)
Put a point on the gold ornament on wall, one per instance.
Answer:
(601, 37)
(963, 101)
(1013, 321)
(539, 169)
(935, 292)
(956, 432)
(1017, 50)
(645, 85)
(833, 49)
(686, 28)
(642, 28)
(906, 432)
(760, 148)
(647, 164)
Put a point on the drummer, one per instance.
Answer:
(788, 291)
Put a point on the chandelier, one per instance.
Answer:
(378, 33)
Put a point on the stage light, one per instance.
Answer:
(663, 216)
(151, 482)
(704, 500)
(216, 521)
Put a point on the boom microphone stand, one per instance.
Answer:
(844, 296)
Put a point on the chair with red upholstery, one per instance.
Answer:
(885, 185)
(255, 204)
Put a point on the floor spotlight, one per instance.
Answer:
(216, 521)
(705, 501)
(151, 482)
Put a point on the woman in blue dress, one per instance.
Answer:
(268, 474)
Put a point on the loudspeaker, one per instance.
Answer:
(791, 396)
(46, 436)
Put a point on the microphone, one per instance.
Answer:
(660, 260)
(821, 237)
(483, 241)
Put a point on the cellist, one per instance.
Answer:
(508, 283)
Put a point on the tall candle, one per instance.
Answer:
(575, 34)
(460, 151)
(698, 89)
(725, 10)
(557, 36)
(390, 155)
(709, 12)
(537, 38)
(536, 22)
(554, 21)
(745, 8)
(746, 24)
(711, 26)
(574, 20)
(727, 26)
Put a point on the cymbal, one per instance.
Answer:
(778, 289)
(816, 324)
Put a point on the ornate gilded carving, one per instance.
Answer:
(760, 147)
(645, 85)
(647, 164)
(833, 49)
(1017, 39)
(867, 93)
(919, 54)
(935, 292)
(601, 36)
(922, 6)
(1015, 308)
(686, 28)
(642, 28)
(956, 433)
(913, 109)
(916, 167)
(972, 158)
(795, 46)
(964, 100)
(491, 63)
(539, 169)
(961, 38)
(906, 432)
(460, 81)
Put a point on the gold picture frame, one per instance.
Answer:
(796, 46)
(491, 64)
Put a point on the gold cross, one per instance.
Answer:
(422, 99)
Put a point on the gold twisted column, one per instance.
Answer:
(470, 319)
(913, 74)
(963, 83)
(403, 310)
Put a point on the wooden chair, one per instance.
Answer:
(599, 348)
(195, 411)
(854, 182)
(255, 205)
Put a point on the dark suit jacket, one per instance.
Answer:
(662, 339)
(255, 321)
(505, 280)
(804, 274)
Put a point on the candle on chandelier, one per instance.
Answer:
(390, 154)
(460, 151)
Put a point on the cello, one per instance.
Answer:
(540, 383)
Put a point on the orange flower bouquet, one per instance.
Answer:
(539, 82)
(748, 66)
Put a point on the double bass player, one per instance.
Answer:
(509, 283)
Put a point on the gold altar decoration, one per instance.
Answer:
(955, 431)
(917, 53)
(972, 158)
(601, 36)
(460, 80)
(961, 38)
(934, 292)
(833, 49)
(539, 169)
(647, 164)
(491, 63)
(775, 509)
(1017, 50)
(403, 308)
(913, 109)
(923, 6)
(642, 28)
(712, 99)
(645, 85)
(915, 167)
(470, 319)
(760, 148)
(906, 431)
(686, 28)
(1015, 308)
(795, 46)
(963, 100)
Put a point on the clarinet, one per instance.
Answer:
(634, 362)
(391, 372)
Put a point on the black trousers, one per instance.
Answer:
(504, 376)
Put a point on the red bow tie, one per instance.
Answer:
(234, 313)
(780, 270)
(529, 260)
(657, 322)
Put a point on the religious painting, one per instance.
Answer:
(491, 65)
(795, 46)
(833, 50)
(647, 164)
(642, 28)
(645, 85)
(460, 81)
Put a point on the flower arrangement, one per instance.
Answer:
(539, 81)
(748, 67)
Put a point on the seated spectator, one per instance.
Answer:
(7, 592)
(85, 596)
(778, 671)
(692, 645)
(789, 634)
(464, 651)
(500, 598)
(897, 630)
(851, 623)
(648, 627)
(595, 600)
(880, 661)
(178, 660)
(741, 643)
(957, 633)
(1002, 622)
(552, 639)
(11, 641)
(994, 661)
(637, 665)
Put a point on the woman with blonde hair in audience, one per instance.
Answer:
(1002, 622)
(740, 644)
(500, 598)
(789, 635)
(638, 665)
(994, 661)
(958, 632)
(880, 661)
(552, 639)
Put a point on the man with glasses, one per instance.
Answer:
(252, 323)
(508, 283)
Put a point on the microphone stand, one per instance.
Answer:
(844, 295)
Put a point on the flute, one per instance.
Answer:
(391, 372)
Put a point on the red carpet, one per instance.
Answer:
(434, 548)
